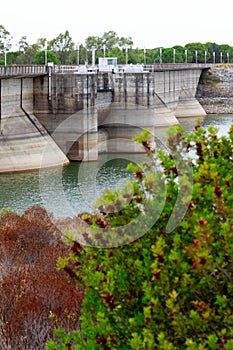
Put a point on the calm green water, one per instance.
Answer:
(72, 189)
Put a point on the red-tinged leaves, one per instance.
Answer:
(34, 296)
(218, 191)
(139, 174)
(161, 258)
(76, 248)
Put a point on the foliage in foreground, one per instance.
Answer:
(166, 290)
(34, 296)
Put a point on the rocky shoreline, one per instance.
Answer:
(215, 89)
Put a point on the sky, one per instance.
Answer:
(149, 23)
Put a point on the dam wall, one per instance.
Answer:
(51, 118)
(121, 105)
(23, 139)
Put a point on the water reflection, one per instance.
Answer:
(66, 192)
(19, 191)
(59, 190)
(222, 122)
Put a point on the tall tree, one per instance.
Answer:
(95, 41)
(109, 40)
(5, 39)
(42, 43)
(63, 46)
(123, 42)
(23, 44)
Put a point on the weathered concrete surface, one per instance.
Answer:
(77, 135)
(84, 112)
(215, 89)
(177, 89)
(23, 139)
(70, 115)
(149, 100)
(123, 104)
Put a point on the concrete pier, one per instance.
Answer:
(23, 138)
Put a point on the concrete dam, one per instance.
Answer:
(51, 115)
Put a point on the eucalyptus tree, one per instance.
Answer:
(63, 46)
(5, 41)
(95, 41)
(27, 52)
(23, 44)
(30, 53)
(109, 41)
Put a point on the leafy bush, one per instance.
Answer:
(167, 289)
(208, 77)
(34, 296)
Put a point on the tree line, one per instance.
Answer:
(63, 50)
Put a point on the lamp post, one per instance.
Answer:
(214, 57)
(86, 61)
(144, 55)
(196, 56)
(220, 57)
(104, 47)
(126, 55)
(205, 56)
(227, 57)
(93, 56)
(45, 53)
(186, 54)
(174, 56)
(160, 56)
(78, 53)
(5, 57)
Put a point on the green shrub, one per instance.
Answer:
(165, 289)
(219, 102)
(208, 77)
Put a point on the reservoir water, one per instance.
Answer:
(74, 188)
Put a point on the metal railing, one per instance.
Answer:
(135, 68)
(22, 70)
(175, 66)
(65, 68)
(34, 70)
